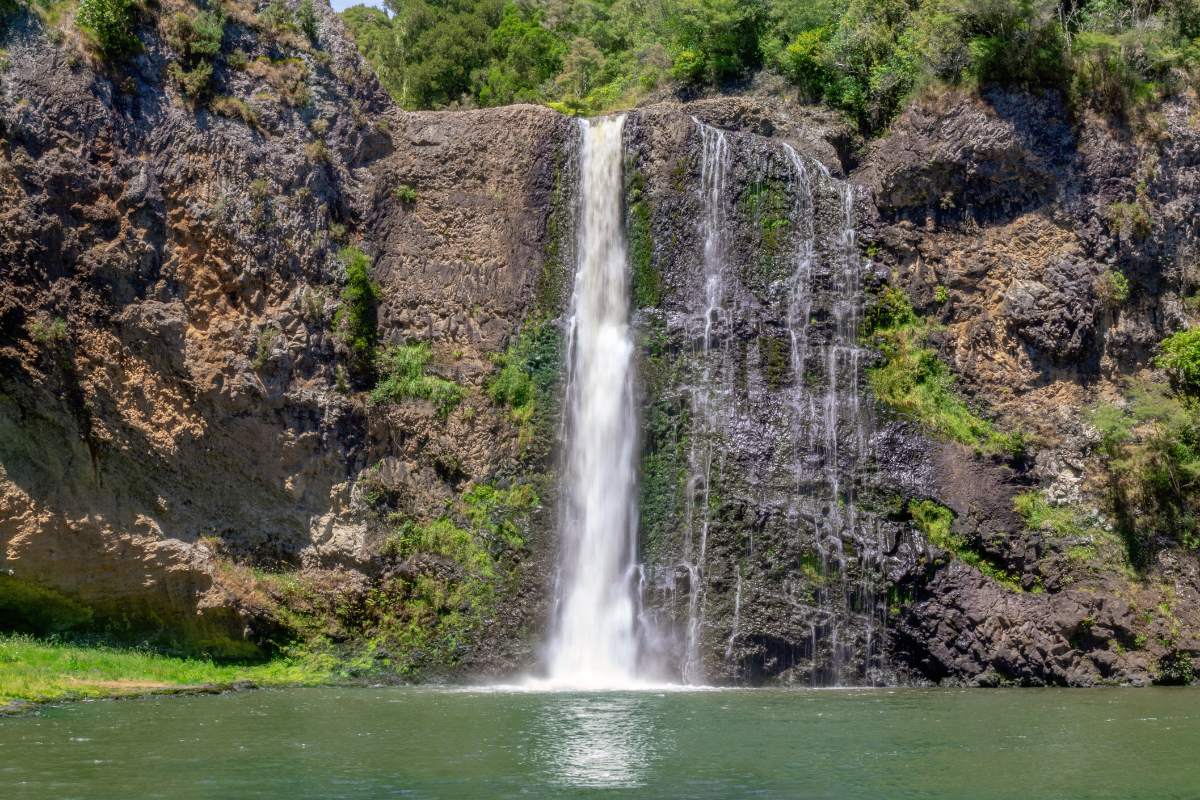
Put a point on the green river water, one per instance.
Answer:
(432, 743)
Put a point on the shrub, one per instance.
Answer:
(405, 194)
(403, 377)
(1152, 452)
(193, 82)
(306, 18)
(47, 331)
(803, 62)
(1112, 287)
(317, 151)
(234, 108)
(1180, 357)
(287, 76)
(111, 22)
(197, 40)
(263, 345)
(1129, 220)
(355, 319)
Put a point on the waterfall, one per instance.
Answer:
(594, 644)
(826, 413)
(714, 165)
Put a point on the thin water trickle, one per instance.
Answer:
(714, 165)
(594, 644)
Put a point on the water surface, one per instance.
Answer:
(429, 743)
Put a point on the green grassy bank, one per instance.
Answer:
(37, 670)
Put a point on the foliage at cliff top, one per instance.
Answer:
(865, 57)
(44, 670)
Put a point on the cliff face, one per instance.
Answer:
(177, 402)
(1022, 217)
(191, 451)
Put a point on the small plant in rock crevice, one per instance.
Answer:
(406, 194)
(355, 320)
(403, 376)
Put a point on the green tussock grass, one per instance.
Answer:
(916, 384)
(40, 670)
(403, 377)
(936, 522)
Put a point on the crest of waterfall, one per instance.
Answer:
(594, 644)
(704, 455)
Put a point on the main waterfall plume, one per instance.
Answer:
(595, 639)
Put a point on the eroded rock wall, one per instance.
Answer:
(174, 392)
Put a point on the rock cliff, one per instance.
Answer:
(192, 451)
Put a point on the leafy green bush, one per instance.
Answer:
(1113, 287)
(111, 22)
(355, 319)
(402, 371)
(306, 18)
(914, 382)
(197, 39)
(405, 194)
(1180, 357)
(1152, 451)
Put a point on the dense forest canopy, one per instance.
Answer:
(862, 56)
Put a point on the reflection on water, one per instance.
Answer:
(596, 741)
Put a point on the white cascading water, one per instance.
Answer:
(594, 645)
(714, 165)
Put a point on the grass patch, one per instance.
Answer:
(646, 282)
(527, 379)
(40, 670)
(918, 385)
(403, 377)
(936, 522)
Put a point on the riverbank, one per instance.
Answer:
(34, 671)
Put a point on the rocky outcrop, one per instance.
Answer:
(1010, 241)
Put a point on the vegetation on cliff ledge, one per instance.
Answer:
(403, 376)
(1151, 445)
(915, 383)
